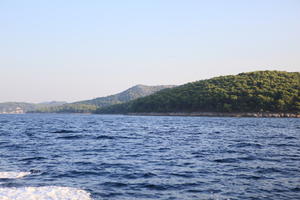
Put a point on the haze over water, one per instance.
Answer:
(137, 157)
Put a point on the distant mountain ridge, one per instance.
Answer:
(127, 95)
(23, 107)
(100, 102)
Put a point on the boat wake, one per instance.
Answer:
(39, 193)
(13, 175)
(44, 193)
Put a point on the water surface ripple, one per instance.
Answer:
(142, 157)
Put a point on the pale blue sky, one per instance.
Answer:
(73, 50)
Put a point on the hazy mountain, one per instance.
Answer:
(22, 107)
(51, 103)
(125, 96)
(93, 104)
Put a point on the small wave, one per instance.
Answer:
(11, 175)
(194, 191)
(33, 158)
(226, 160)
(290, 137)
(247, 176)
(246, 144)
(184, 175)
(44, 193)
(115, 184)
(155, 186)
(139, 175)
(235, 160)
(247, 158)
(149, 175)
(104, 137)
(296, 189)
(269, 170)
(63, 131)
(75, 173)
(71, 137)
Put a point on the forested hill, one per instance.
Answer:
(91, 105)
(260, 91)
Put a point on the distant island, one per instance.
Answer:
(252, 94)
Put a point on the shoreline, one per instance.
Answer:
(219, 114)
(188, 114)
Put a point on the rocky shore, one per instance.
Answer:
(219, 114)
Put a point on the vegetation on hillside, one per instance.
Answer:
(260, 91)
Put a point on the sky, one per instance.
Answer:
(74, 50)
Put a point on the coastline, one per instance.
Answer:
(220, 114)
(187, 114)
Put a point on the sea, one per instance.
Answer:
(121, 157)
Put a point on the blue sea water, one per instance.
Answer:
(153, 157)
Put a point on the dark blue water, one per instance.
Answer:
(136, 157)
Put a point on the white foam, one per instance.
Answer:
(13, 174)
(44, 193)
